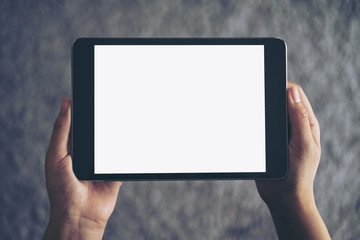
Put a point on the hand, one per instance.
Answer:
(78, 210)
(291, 200)
(304, 152)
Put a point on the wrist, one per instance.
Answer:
(295, 202)
(63, 226)
(297, 217)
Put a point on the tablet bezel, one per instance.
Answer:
(82, 134)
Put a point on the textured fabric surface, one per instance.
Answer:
(35, 62)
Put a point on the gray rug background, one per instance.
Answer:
(35, 63)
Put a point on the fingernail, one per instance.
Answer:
(295, 94)
(64, 105)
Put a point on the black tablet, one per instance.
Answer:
(179, 108)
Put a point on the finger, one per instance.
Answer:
(305, 101)
(314, 124)
(299, 118)
(58, 147)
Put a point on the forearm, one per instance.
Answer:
(298, 218)
(61, 229)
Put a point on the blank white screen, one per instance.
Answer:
(179, 108)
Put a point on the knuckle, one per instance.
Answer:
(303, 113)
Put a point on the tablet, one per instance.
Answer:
(179, 108)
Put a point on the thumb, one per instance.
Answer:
(299, 118)
(58, 148)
